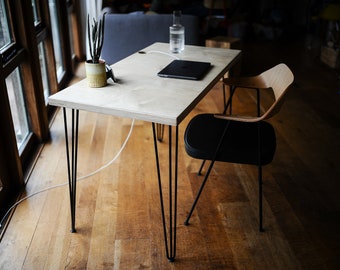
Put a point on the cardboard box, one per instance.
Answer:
(330, 56)
(223, 42)
(226, 43)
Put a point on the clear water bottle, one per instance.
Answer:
(176, 33)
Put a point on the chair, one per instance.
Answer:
(239, 139)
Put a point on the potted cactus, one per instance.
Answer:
(95, 67)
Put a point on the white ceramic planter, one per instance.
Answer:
(96, 73)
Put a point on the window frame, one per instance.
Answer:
(23, 52)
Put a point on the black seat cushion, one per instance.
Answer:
(240, 144)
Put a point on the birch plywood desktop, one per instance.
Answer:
(141, 94)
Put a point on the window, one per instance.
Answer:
(36, 13)
(44, 71)
(35, 61)
(18, 107)
(59, 64)
(6, 37)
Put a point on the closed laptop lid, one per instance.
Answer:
(184, 69)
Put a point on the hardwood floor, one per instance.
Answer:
(118, 217)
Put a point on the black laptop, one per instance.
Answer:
(184, 69)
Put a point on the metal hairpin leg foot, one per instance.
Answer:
(169, 223)
(72, 162)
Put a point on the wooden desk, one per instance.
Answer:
(141, 94)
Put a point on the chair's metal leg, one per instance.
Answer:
(170, 231)
(260, 199)
(186, 222)
(258, 102)
(160, 132)
(260, 176)
(201, 168)
(228, 104)
(231, 92)
(72, 164)
(224, 95)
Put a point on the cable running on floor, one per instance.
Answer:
(79, 179)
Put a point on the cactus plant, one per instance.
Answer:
(95, 37)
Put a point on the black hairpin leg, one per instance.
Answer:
(72, 162)
(169, 227)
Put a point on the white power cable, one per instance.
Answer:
(79, 179)
(168, 54)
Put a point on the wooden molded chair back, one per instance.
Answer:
(279, 78)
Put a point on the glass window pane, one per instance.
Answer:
(5, 27)
(44, 71)
(18, 107)
(56, 39)
(36, 13)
